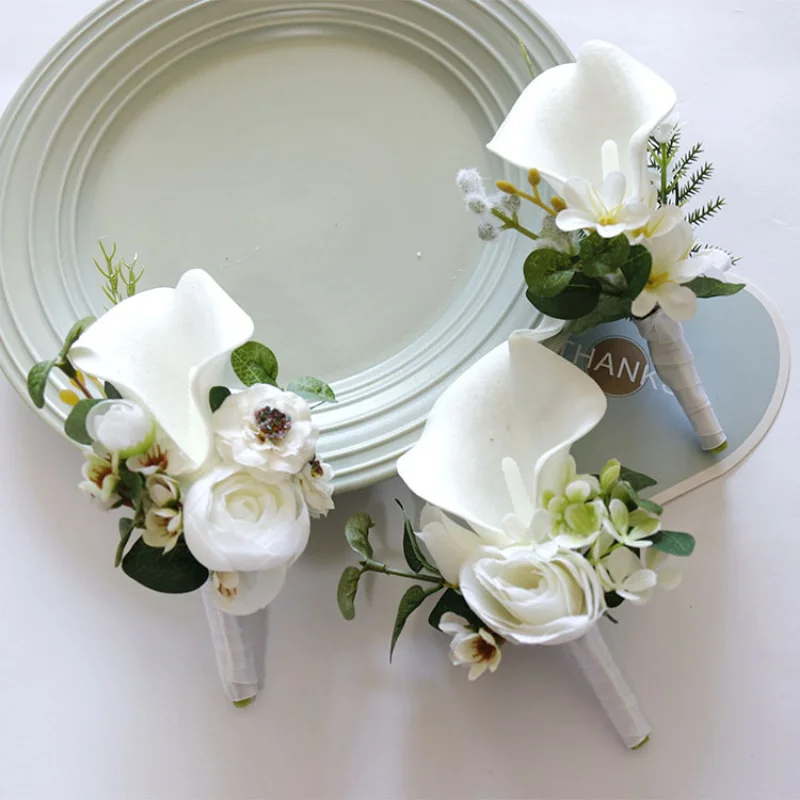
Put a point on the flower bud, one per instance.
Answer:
(534, 177)
(120, 426)
(507, 187)
(557, 203)
(487, 232)
(476, 203)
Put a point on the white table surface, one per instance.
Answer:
(109, 691)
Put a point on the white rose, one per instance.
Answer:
(120, 426)
(266, 429)
(315, 483)
(235, 520)
(241, 593)
(532, 600)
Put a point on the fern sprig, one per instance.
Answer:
(681, 167)
(694, 184)
(704, 213)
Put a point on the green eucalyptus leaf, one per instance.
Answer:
(414, 556)
(74, 334)
(409, 603)
(37, 381)
(357, 532)
(454, 602)
(346, 592)
(547, 272)
(217, 395)
(609, 308)
(577, 300)
(175, 572)
(599, 256)
(125, 530)
(637, 480)
(705, 287)
(255, 363)
(312, 389)
(131, 487)
(637, 270)
(112, 393)
(624, 491)
(613, 600)
(674, 542)
(75, 425)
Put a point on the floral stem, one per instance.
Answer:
(65, 365)
(664, 165)
(510, 223)
(377, 566)
(536, 199)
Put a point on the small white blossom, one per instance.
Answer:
(163, 490)
(630, 528)
(478, 651)
(654, 559)
(477, 202)
(488, 232)
(603, 210)
(622, 572)
(226, 587)
(316, 485)
(508, 203)
(101, 479)
(162, 527)
(469, 180)
(666, 130)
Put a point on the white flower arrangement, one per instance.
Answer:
(545, 552)
(220, 482)
(604, 134)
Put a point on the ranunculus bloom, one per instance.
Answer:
(120, 426)
(266, 429)
(531, 600)
(236, 521)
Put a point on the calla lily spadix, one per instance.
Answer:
(587, 119)
(501, 433)
(163, 348)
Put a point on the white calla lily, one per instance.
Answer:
(565, 116)
(506, 423)
(162, 348)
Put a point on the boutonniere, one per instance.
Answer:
(216, 480)
(618, 239)
(515, 545)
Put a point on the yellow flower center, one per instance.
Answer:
(654, 281)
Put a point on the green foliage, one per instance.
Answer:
(312, 389)
(74, 334)
(75, 425)
(624, 491)
(37, 381)
(217, 395)
(175, 572)
(613, 600)
(357, 531)
(636, 480)
(674, 542)
(255, 363)
(547, 272)
(711, 287)
(409, 603)
(680, 168)
(636, 270)
(120, 276)
(694, 184)
(453, 601)
(125, 530)
(577, 300)
(609, 308)
(111, 391)
(703, 214)
(599, 256)
(346, 592)
(412, 552)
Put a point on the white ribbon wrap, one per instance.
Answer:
(613, 692)
(238, 642)
(674, 364)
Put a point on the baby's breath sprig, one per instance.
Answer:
(116, 273)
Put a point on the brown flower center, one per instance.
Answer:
(154, 457)
(316, 469)
(484, 651)
(99, 474)
(273, 425)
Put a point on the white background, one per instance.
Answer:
(108, 691)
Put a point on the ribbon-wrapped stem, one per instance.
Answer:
(236, 641)
(674, 364)
(611, 688)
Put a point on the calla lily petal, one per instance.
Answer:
(163, 348)
(563, 119)
(520, 401)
